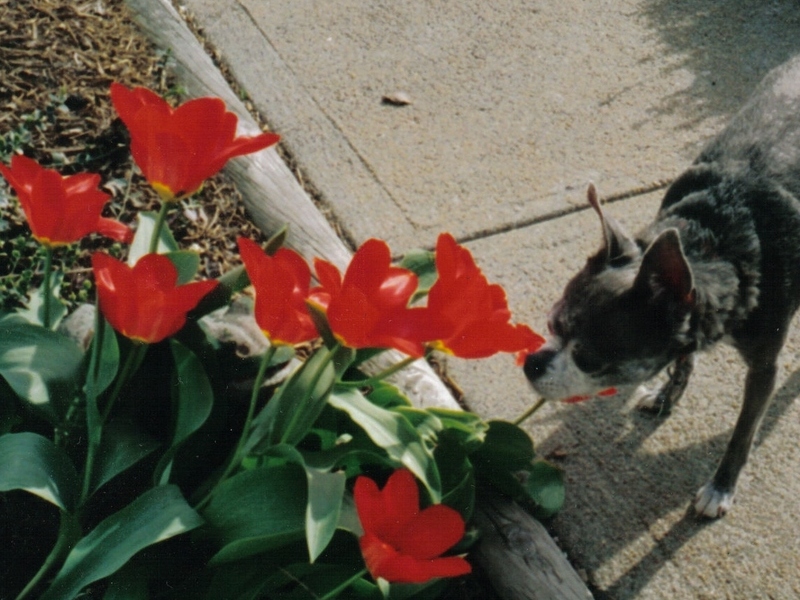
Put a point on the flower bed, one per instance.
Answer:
(157, 482)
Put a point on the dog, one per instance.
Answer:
(720, 262)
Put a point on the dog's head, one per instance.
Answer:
(622, 318)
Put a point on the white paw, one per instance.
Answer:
(711, 502)
(646, 398)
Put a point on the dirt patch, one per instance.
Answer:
(58, 60)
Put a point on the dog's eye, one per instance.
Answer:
(555, 328)
(586, 361)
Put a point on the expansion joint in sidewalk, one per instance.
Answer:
(551, 216)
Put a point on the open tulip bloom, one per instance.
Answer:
(177, 149)
(402, 543)
(281, 284)
(61, 210)
(369, 307)
(477, 310)
(144, 302)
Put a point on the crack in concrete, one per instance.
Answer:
(551, 216)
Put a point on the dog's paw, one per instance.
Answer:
(649, 400)
(711, 502)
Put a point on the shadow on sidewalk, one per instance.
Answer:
(727, 45)
(636, 489)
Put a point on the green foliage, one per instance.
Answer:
(136, 445)
(155, 516)
(33, 463)
(39, 365)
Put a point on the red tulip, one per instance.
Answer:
(282, 284)
(61, 210)
(369, 307)
(178, 149)
(401, 543)
(477, 309)
(144, 303)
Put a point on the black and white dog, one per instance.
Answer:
(721, 262)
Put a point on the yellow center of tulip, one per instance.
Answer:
(439, 345)
(163, 190)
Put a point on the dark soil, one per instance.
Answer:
(58, 60)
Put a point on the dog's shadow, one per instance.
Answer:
(621, 493)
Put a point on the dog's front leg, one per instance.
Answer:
(660, 401)
(716, 497)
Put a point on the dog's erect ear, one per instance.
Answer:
(665, 270)
(616, 242)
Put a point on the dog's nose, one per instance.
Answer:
(536, 363)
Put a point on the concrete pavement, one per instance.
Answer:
(515, 106)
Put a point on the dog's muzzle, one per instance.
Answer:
(536, 364)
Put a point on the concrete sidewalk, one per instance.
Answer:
(515, 106)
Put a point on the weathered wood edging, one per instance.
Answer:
(516, 553)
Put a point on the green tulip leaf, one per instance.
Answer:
(469, 427)
(423, 264)
(257, 510)
(458, 476)
(276, 241)
(108, 359)
(545, 486)
(506, 447)
(228, 284)
(34, 309)
(121, 446)
(387, 395)
(34, 464)
(40, 365)
(141, 239)
(393, 433)
(250, 578)
(156, 515)
(325, 492)
(194, 399)
(427, 424)
(186, 262)
(297, 404)
(320, 319)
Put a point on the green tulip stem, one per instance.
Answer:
(159, 225)
(237, 457)
(377, 378)
(69, 532)
(132, 362)
(48, 275)
(343, 586)
(537, 405)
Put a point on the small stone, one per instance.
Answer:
(398, 98)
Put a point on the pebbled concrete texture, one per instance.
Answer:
(515, 107)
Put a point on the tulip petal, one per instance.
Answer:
(281, 283)
(384, 561)
(478, 311)
(434, 530)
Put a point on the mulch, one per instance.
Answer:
(58, 59)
